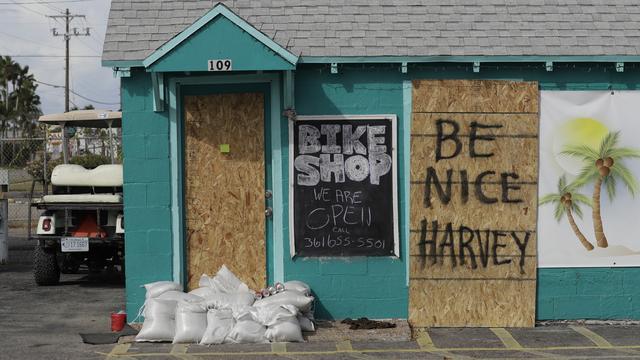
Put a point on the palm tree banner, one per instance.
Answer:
(589, 171)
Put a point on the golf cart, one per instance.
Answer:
(81, 221)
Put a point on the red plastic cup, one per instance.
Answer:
(117, 321)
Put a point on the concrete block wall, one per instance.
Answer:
(588, 293)
(564, 293)
(375, 287)
(147, 191)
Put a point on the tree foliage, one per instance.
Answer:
(19, 103)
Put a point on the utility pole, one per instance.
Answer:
(68, 17)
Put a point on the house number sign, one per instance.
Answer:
(220, 65)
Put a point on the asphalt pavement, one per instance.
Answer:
(45, 322)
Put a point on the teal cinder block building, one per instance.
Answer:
(211, 95)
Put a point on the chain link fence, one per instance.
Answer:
(15, 156)
(22, 158)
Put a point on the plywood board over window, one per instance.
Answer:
(224, 186)
(474, 173)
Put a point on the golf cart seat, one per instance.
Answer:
(82, 198)
(102, 185)
(77, 175)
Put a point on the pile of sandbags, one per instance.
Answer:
(224, 310)
(159, 310)
(298, 294)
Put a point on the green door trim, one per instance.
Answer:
(272, 136)
(404, 135)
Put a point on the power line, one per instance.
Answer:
(100, 38)
(90, 46)
(27, 40)
(43, 2)
(54, 8)
(24, 7)
(50, 56)
(78, 95)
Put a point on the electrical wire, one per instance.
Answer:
(51, 7)
(88, 45)
(22, 5)
(96, 35)
(43, 2)
(51, 56)
(31, 41)
(78, 95)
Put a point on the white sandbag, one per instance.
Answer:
(180, 296)
(306, 324)
(219, 325)
(191, 322)
(158, 288)
(269, 315)
(298, 286)
(157, 329)
(287, 297)
(226, 281)
(234, 301)
(154, 308)
(287, 330)
(247, 328)
(204, 292)
(159, 323)
(218, 300)
(206, 281)
(282, 323)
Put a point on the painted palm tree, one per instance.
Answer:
(604, 166)
(567, 201)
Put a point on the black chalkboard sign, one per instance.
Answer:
(343, 186)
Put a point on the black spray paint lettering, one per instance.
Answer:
(448, 131)
(473, 137)
(444, 192)
(466, 245)
(331, 165)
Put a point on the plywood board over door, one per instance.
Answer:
(224, 186)
(474, 175)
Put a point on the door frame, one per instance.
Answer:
(273, 139)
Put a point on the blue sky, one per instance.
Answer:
(26, 30)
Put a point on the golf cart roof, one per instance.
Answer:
(84, 118)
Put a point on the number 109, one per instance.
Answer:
(220, 65)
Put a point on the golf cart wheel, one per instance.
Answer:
(45, 267)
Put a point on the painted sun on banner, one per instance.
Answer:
(589, 179)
